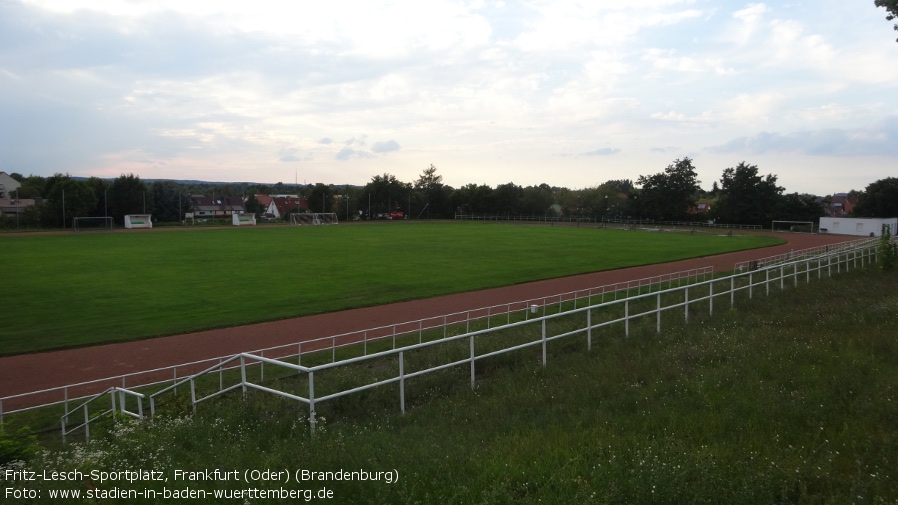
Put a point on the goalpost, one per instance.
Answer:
(92, 223)
(313, 218)
(795, 226)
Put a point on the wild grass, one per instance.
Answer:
(81, 289)
(787, 398)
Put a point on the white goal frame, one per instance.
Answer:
(802, 223)
(313, 218)
(109, 226)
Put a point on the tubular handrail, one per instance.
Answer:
(88, 420)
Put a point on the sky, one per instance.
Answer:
(567, 93)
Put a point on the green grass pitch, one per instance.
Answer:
(81, 289)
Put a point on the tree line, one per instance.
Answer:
(742, 196)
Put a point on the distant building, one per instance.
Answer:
(281, 205)
(871, 227)
(8, 185)
(216, 207)
(840, 205)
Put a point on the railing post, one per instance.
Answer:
(686, 304)
(627, 317)
(299, 354)
(86, 425)
(711, 298)
(732, 291)
(588, 337)
(402, 381)
(658, 315)
(312, 420)
(751, 284)
(193, 394)
(544, 342)
(473, 371)
(262, 367)
(243, 374)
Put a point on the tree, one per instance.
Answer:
(891, 6)
(880, 199)
(66, 199)
(507, 199)
(254, 206)
(472, 199)
(669, 195)
(128, 195)
(536, 200)
(321, 198)
(795, 207)
(170, 201)
(386, 193)
(100, 188)
(747, 198)
(32, 186)
(436, 196)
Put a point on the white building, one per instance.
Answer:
(867, 227)
(7, 185)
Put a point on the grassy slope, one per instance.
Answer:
(73, 290)
(761, 404)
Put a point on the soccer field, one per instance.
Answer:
(81, 289)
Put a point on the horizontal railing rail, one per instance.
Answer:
(88, 418)
(803, 253)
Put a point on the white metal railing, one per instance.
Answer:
(89, 418)
(587, 318)
(804, 253)
(447, 322)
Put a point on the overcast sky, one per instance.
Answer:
(544, 91)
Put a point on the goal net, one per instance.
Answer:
(92, 223)
(313, 218)
(795, 226)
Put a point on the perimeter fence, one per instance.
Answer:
(606, 222)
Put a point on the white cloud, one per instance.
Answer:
(385, 147)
